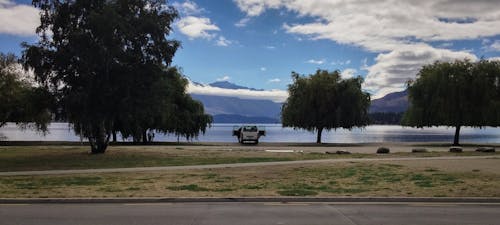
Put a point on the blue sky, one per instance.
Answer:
(257, 43)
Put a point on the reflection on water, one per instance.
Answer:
(275, 133)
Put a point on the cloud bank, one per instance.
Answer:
(17, 19)
(195, 26)
(273, 95)
(401, 31)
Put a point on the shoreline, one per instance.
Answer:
(364, 148)
(265, 144)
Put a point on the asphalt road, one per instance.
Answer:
(251, 213)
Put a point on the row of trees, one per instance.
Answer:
(455, 94)
(106, 67)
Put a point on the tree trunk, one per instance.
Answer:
(114, 136)
(144, 137)
(318, 139)
(98, 147)
(457, 136)
(99, 139)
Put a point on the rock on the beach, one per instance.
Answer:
(383, 150)
(485, 149)
(418, 150)
(456, 149)
(342, 152)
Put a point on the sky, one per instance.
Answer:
(258, 43)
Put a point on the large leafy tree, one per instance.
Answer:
(20, 101)
(105, 61)
(455, 94)
(185, 116)
(168, 110)
(325, 101)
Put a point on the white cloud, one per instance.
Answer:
(317, 62)
(348, 73)
(18, 19)
(270, 47)
(275, 80)
(273, 95)
(194, 25)
(341, 63)
(383, 25)
(243, 22)
(188, 8)
(222, 41)
(256, 7)
(263, 69)
(364, 64)
(197, 27)
(495, 46)
(494, 58)
(446, 45)
(224, 78)
(393, 69)
(400, 31)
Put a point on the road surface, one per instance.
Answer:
(250, 213)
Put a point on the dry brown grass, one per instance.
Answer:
(21, 158)
(433, 178)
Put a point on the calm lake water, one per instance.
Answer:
(275, 133)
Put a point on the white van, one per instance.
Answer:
(248, 133)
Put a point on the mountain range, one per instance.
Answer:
(237, 110)
(391, 103)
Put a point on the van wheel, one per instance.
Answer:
(256, 141)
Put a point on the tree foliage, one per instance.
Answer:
(108, 64)
(325, 101)
(20, 101)
(456, 94)
(168, 110)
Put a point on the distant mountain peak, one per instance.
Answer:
(229, 85)
(392, 102)
(395, 95)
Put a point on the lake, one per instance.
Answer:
(275, 133)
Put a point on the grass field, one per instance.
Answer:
(433, 178)
(23, 158)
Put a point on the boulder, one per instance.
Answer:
(456, 149)
(418, 150)
(485, 149)
(383, 150)
(341, 152)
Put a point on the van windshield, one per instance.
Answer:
(250, 128)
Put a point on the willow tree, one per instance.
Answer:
(455, 94)
(169, 110)
(21, 101)
(185, 116)
(325, 101)
(102, 60)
